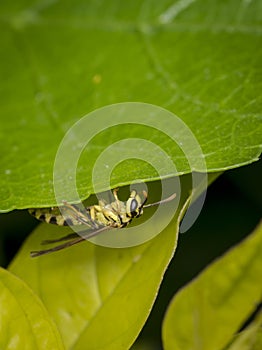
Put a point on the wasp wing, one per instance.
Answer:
(67, 215)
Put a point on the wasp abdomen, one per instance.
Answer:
(47, 215)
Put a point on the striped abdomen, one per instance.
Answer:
(53, 216)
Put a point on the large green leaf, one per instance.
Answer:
(25, 323)
(208, 312)
(97, 296)
(199, 59)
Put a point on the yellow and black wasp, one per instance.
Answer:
(96, 218)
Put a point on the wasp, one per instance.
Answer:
(96, 218)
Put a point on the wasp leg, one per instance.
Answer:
(115, 190)
(79, 239)
(34, 254)
(64, 238)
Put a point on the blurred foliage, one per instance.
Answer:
(25, 322)
(221, 298)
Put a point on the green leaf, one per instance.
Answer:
(25, 323)
(210, 310)
(250, 338)
(199, 59)
(97, 296)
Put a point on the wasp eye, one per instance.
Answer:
(133, 205)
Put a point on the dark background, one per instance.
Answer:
(231, 211)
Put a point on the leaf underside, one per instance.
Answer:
(199, 59)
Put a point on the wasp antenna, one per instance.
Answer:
(168, 199)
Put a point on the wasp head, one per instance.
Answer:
(134, 204)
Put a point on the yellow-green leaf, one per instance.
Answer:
(98, 296)
(250, 338)
(24, 321)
